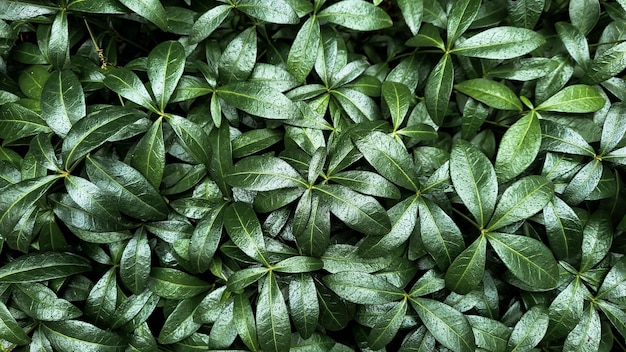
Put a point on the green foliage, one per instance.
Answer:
(319, 175)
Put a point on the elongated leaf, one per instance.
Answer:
(42, 266)
(362, 288)
(613, 129)
(264, 173)
(614, 283)
(574, 41)
(389, 158)
(18, 122)
(59, 42)
(74, 335)
(358, 106)
(62, 101)
(616, 316)
(397, 97)
(94, 130)
(356, 14)
(529, 330)
(383, 332)
(19, 197)
(272, 317)
(583, 183)
(127, 84)
(519, 147)
(491, 93)
(445, 323)
(175, 284)
(439, 88)
(135, 262)
(205, 239)
(208, 22)
(180, 323)
(578, 98)
(91, 198)
(564, 229)
(131, 191)
(367, 182)
(273, 11)
(566, 309)
(244, 229)
(148, 156)
(525, 13)
(474, 179)
(10, 330)
(239, 57)
(245, 277)
(522, 200)
(412, 12)
(440, 235)
(363, 213)
(152, 10)
(244, 321)
(500, 43)
(467, 269)
(258, 99)
(586, 335)
(460, 18)
(560, 138)
(606, 65)
(314, 235)
(166, 63)
(597, 239)
(528, 259)
(303, 52)
(303, 304)
(102, 300)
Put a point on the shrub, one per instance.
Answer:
(312, 175)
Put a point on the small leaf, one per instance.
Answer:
(578, 98)
(62, 102)
(304, 49)
(175, 284)
(518, 148)
(439, 88)
(528, 259)
(272, 317)
(102, 300)
(574, 41)
(521, 200)
(298, 264)
(474, 179)
(245, 277)
(490, 334)
(166, 63)
(264, 173)
(358, 106)
(616, 316)
(148, 157)
(152, 10)
(208, 22)
(597, 239)
(18, 122)
(127, 84)
(529, 330)
(560, 138)
(367, 182)
(563, 228)
(613, 129)
(500, 43)
(205, 239)
(445, 323)
(362, 288)
(239, 56)
(467, 269)
(273, 11)
(614, 284)
(43, 266)
(244, 229)
(412, 12)
(583, 183)
(135, 262)
(258, 99)
(494, 94)
(356, 14)
(460, 18)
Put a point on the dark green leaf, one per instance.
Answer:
(460, 18)
(358, 106)
(244, 321)
(258, 99)
(152, 10)
(616, 316)
(313, 233)
(356, 14)
(135, 262)
(127, 84)
(431, 282)
(362, 288)
(525, 13)
(578, 98)
(238, 58)
(18, 122)
(566, 309)
(493, 94)
(74, 335)
(412, 13)
(245, 277)
(397, 97)
(264, 173)
(175, 284)
(606, 65)
(180, 323)
(244, 229)
(597, 239)
(32, 80)
(148, 157)
(500, 43)
(252, 142)
(519, 147)
(298, 264)
(102, 300)
(166, 63)
(586, 335)
(96, 6)
(15, 11)
(192, 137)
(10, 330)
(614, 284)
(490, 334)
(559, 138)
(528, 259)
(585, 181)
(613, 128)
(383, 332)
(273, 11)
(303, 304)
(574, 41)
(62, 101)
(205, 239)
(439, 88)
(367, 182)
(272, 318)
(208, 22)
(440, 235)
(304, 49)
(529, 330)
(467, 269)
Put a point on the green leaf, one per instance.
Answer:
(18, 198)
(445, 323)
(192, 137)
(127, 84)
(525, 69)
(94, 130)
(18, 122)
(208, 22)
(313, 234)
(412, 12)
(518, 148)
(258, 99)
(152, 10)
(264, 173)
(133, 194)
(15, 11)
(74, 335)
(43, 152)
(500, 43)
(440, 235)
(358, 106)
(578, 98)
(362, 288)
(91, 198)
(584, 14)
(298, 264)
(521, 200)
(239, 57)
(397, 96)
(32, 80)
(135, 262)
(166, 63)
(525, 13)
(474, 180)
(560, 138)
(175, 284)
(244, 229)
(133, 306)
(467, 269)
(389, 158)
(586, 335)
(272, 318)
(244, 321)
(493, 94)
(574, 41)
(583, 183)
(205, 239)
(148, 157)
(563, 228)
(606, 65)
(43, 266)
(460, 18)
(10, 330)
(439, 88)
(528, 259)
(490, 334)
(356, 14)
(403, 218)
(616, 315)
(597, 240)
(273, 11)
(180, 323)
(383, 332)
(566, 309)
(614, 283)
(362, 213)
(613, 129)
(303, 304)
(96, 6)
(367, 182)
(102, 300)
(62, 102)
(304, 49)
(252, 142)
(529, 330)
(245, 277)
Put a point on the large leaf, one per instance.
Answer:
(412, 12)
(102, 299)
(576, 98)
(583, 183)
(59, 42)
(528, 259)
(133, 194)
(440, 235)
(493, 94)
(264, 173)
(439, 88)
(10, 330)
(529, 330)
(566, 309)
(273, 11)
(272, 317)
(166, 63)
(192, 137)
(91, 198)
(467, 269)
(587, 333)
(519, 147)
(460, 18)
(362, 288)
(205, 239)
(135, 262)
(446, 324)
(525, 13)
(362, 213)
(62, 101)
(18, 198)
(74, 335)
(148, 156)
(304, 49)
(397, 97)
(43, 266)
(244, 229)
(152, 10)
(258, 99)
(303, 304)
(474, 179)
(239, 57)
(356, 14)
(500, 43)
(175, 284)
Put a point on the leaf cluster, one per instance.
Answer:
(276, 175)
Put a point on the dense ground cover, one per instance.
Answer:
(412, 175)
